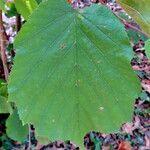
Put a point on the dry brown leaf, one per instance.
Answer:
(124, 145)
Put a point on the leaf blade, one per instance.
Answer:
(25, 8)
(2, 5)
(75, 50)
(5, 107)
(147, 47)
(15, 130)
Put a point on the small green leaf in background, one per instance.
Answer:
(15, 130)
(135, 36)
(5, 106)
(72, 72)
(25, 7)
(12, 9)
(147, 47)
(2, 5)
(139, 10)
(3, 88)
(39, 1)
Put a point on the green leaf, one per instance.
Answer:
(15, 130)
(25, 7)
(2, 82)
(139, 10)
(3, 90)
(147, 47)
(39, 1)
(72, 72)
(5, 106)
(12, 9)
(135, 36)
(2, 5)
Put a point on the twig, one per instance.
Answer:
(2, 47)
(38, 146)
(129, 25)
(29, 139)
(18, 22)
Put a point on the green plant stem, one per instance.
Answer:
(2, 47)
(129, 25)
